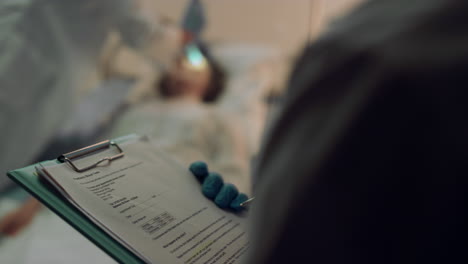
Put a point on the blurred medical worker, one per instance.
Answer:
(49, 49)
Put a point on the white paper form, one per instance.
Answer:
(155, 207)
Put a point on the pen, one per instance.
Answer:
(247, 202)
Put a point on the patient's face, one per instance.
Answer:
(185, 80)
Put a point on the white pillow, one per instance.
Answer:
(238, 58)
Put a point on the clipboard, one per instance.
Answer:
(28, 179)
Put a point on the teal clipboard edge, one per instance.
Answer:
(29, 181)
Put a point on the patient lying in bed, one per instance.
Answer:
(183, 122)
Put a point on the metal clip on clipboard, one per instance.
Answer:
(70, 156)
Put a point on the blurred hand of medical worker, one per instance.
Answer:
(224, 195)
(17, 220)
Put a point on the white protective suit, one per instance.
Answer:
(48, 49)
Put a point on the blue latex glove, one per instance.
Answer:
(225, 195)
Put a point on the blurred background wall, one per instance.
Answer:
(283, 24)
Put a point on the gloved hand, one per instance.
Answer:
(225, 195)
